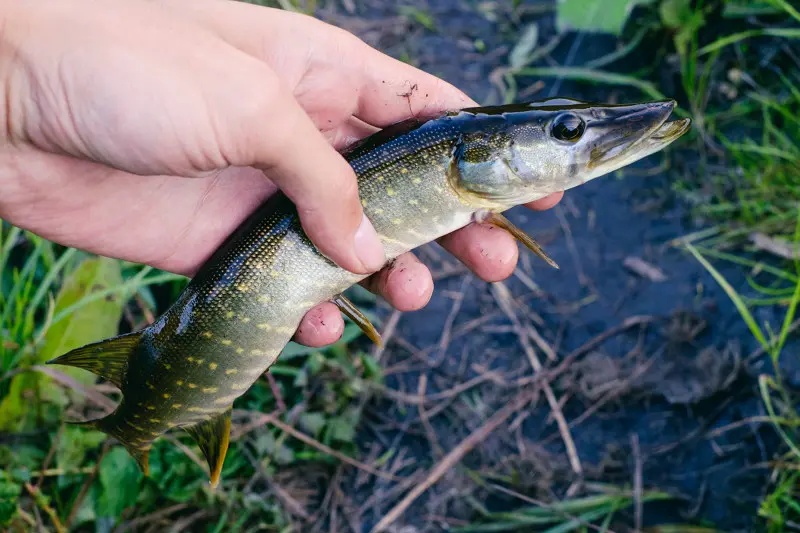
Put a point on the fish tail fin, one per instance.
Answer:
(138, 446)
(213, 437)
(107, 359)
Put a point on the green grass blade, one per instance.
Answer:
(595, 76)
(783, 4)
(733, 295)
(788, 33)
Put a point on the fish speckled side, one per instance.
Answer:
(417, 181)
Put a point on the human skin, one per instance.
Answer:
(148, 130)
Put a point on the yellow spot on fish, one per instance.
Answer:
(210, 390)
(190, 359)
(165, 395)
(150, 386)
(416, 181)
(155, 420)
(225, 399)
(242, 287)
(151, 408)
(413, 202)
(256, 352)
(274, 273)
(240, 386)
(229, 314)
(226, 342)
(379, 178)
(397, 221)
(404, 170)
(230, 371)
(192, 386)
(265, 325)
(378, 211)
(212, 366)
(390, 191)
(154, 433)
(364, 203)
(177, 405)
(200, 361)
(239, 350)
(207, 334)
(245, 319)
(179, 383)
(137, 416)
(264, 299)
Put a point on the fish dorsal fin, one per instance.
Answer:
(107, 359)
(212, 436)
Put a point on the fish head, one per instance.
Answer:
(513, 154)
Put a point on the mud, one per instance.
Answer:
(662, 374)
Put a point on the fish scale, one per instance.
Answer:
(417, 181)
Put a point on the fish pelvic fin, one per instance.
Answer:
(213, 437)
(107, 359)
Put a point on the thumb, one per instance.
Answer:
(288, 147)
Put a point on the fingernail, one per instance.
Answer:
(368, 247)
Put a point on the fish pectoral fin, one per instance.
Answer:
(107, 359)
(496, 219)
(349, 308)
(213, 437)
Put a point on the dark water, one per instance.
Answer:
(676, 382)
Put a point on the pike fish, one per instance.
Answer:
(418, 180)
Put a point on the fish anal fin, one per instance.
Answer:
(352, 312)
(213, 437)
(107, 359)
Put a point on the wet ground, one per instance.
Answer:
(652, 370)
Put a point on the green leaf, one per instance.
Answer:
(9, 494)
(119, 477)
(94, 321)
(312, 422)
(608, 16)
(73, 445)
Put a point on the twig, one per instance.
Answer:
(152, 517)
(76, 505)
(458, 299)
(292, 504)
(451, 459)
(262, 419)
(503, 297)
(423, 416)
(42, 504)
(75, 385)
(50, 455)
(637, 482)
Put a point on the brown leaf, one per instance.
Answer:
(644, 269)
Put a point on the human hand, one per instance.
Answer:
(146, 131)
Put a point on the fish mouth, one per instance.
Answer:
(625, 134)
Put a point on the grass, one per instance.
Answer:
(54, 299)
(755, 137)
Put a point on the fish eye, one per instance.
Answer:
(567, 127)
